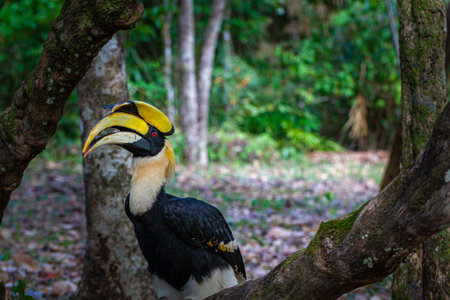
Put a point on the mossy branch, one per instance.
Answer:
(368, 244)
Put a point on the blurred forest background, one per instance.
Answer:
(309, 81)
(289, 76)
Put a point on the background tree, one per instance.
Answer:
(194, 94)
(114, 267)
(188, 87)
(205, 69)
(168, 60)
(422, 53)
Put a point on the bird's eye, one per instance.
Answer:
(154, 133)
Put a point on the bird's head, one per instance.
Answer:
(139, 127)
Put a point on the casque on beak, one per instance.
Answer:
(142, 128)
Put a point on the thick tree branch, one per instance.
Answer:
(368, 244)
(75, 38)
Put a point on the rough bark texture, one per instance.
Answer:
(75, 37)
(188, 88)
(447, 44)
(368, 244)
(168, 61)
(204, 76)
(114, 267)
(422, 52)
(422, 40)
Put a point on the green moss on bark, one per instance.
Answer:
(291, 258)
(10, 125)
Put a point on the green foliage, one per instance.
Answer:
(256, 111)
(18, 291)
(351, 53)
(308, 141)
(24, 26)
(308, 86)
(229, 144)
(145, 79)
(294, 72)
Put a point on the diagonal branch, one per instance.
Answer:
(368, 244)
(75, 38)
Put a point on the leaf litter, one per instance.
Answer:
(273, 210)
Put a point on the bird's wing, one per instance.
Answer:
(202, 225)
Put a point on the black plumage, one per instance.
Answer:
(181, 237)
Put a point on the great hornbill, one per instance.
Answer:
(187, 243)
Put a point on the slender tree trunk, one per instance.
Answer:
(447, 44)
(168, 61)
(228, 50)
(393, 166)
(422, 52)
(393, 26)
(204, 75)
(75, 37)
(114, 267)
(188, 88)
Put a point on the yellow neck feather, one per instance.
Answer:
(149, 175)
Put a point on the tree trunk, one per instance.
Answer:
(368, 244)
(393, 166)
(422, 53)
(168, 61)
(228, 50)
(75, 37)
(114, 267)
(393, 26)
(188, 88)
(204, 75)
(447, 43)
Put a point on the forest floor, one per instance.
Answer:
(273, 210)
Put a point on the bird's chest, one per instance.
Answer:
(152, 235)
(162, 249)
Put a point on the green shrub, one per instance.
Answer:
(229, 144)
(308, 141)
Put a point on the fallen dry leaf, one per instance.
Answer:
(64, 287)
(26, 262)
(279, 232)
(3, 276)
(5, 234)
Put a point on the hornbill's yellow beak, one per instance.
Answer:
(142, 129)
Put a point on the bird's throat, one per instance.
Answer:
(149, 176)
